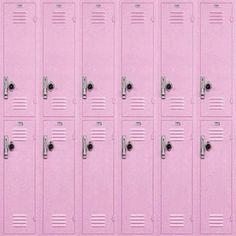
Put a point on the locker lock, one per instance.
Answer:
(166, 86)
(208, 86)
(165, 146)
(90, 86)
(11, 146)
(90, 146)
(204, 146)
(11, 86)
(129, 86)
(50, 146)
(51, 86)
(126, 146)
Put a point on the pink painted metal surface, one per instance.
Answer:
(98, 47)
(98, 177)
(19, 58)
(58, 58)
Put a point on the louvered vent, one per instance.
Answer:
(19, 220)
(19, 17)
(59, 220)
(98, 134)
(137, 103)
(19, 134)
(137, 220)
(176, 220)
(216, 134)
(176, 134)
(176, 17)
(98, 17)
(137, 134)
(216, 17)
(216, 220)
(98, 220)
(98, 103)
(137, 17)
(58, 17)
(59, 103)
(177, 103)
(19, 103)
(216, 103)
(59, 134)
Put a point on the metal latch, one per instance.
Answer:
(86, 146)
(8, 146)
(165, 86)
(47, 146)
(125, 146)
(125, 86)
(86, 86)
(204, 86)
(165, 146)
(47, 86)
(204, 146)
(7, 86)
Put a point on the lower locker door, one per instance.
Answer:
(176, 177)
(137, 177)
(19, 177)
(98, 179)
(58, 177)
(216, 178)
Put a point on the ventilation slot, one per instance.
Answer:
(137, 17)
(176, 134)
(216, 103)
(137, 220)
(59, 134)
(98, 220)
(19, 104)
(216, 220)
(19, 17)
(58, 17)
(177, 103)
(176, 220)
(216, 17)
(19, 134)
(98, 103)
(216, 134)
(98, 134)
(176, 17)
(137, 134)
(59, 220)
(59, 104)
(137, 103)
(98, 18)
(19, 220)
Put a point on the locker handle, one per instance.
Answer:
(123, 147)
(123, 87)
(7, 86)
(204, 86)
(166, 86)
(6, 140)
(204, 146)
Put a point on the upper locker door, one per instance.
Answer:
(216, 59)
(216, 177)
(19, 177)
(98, 49)
(19, 39)
(176, 177)
(137, 177)
(58, 80)
(137, 53)
(98, 177)
(58, 177)
(176, 59)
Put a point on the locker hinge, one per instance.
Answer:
(48, 86)
(47, 146)
(8, 146)
(86, 87)
(86, 146)
(165, 146)
(7, 86)
(166, 86)
(204, 146)
(125, 146)
(204, 86)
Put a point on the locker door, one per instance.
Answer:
(98, 59)
(19, 177)
(216, 59)
(137, 59)
(19, 30)
(216, 177)
(176, 177)
(137, 177)
(176, 59)
(58, 59)
(98, 177)
(58, 177)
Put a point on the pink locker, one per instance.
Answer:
(98, 37)
(98, 177)
(19, 39)
(58, 177)
(19, 177)
(216, 50)
(58, 80)
(137, 177)
(137, 54)
(176, 177)
(216, 177)
(176, 59)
